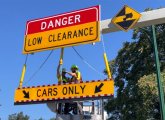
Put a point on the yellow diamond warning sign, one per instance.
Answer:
(126, 18)
(84, 90)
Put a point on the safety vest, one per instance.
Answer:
(64, 79)
(79, 77)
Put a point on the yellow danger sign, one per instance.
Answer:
(126, 18)
(63, 37)
(63, 30)
(84, 90)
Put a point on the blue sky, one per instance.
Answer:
(14, 15)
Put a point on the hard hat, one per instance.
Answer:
(74, 67)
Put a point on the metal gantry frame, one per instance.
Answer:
(148, 18)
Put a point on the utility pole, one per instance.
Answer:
(158, 75)
(152, 37)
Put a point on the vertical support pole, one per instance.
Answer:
(61, 63)
(107, 66)
(102, 107)
(23, 73)
(98, 109)
(160, 87)
(77, 108)
(100, 104)
(22, 76)
(93, 107)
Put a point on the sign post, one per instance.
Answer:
(63, 30)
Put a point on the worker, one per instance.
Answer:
(77, 78)
(75, 73)
(62, 79)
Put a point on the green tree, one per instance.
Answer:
(133, 61)
(148, 89)
(18, 116)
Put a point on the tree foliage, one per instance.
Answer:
(149, 91)
(135, 60)
(21, 116)
(18, 116)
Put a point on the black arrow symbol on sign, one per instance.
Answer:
(26, 94)
(129, 15)
(98, 88)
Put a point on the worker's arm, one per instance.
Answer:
(72, 74)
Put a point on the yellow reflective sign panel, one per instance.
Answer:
(63, 30)
(84, 90)
(126, 18)
(64, 37)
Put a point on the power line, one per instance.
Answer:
(90, 66)
(103, 44)
(35, 73)
(26, 59)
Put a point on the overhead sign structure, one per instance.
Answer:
(63, 30)
(126, 18)
(84, 90)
